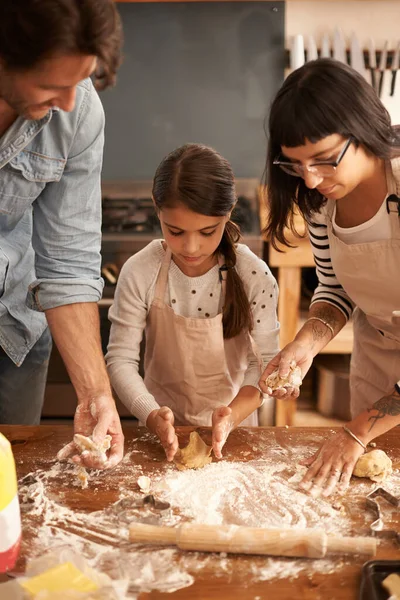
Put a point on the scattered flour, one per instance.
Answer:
(262, 492)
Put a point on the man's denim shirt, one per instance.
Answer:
(50, 218)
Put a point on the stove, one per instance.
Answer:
(130, 222)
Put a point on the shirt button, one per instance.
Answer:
(19, 142)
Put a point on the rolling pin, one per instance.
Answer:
(311, 543)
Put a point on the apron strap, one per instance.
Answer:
(222, 277)
(393, 199)
(162, 278)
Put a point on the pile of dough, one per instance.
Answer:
(86, 444)
(375, 464)
(293, 379)
(196, 454)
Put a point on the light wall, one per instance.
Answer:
(379, 19)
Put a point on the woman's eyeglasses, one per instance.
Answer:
(321, 169)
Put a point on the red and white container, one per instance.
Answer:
(10, 519)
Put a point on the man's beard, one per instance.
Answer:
(14, 100)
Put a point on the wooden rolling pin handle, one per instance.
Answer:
(141, 533)
(351, 545)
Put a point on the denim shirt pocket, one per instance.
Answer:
(24, 178)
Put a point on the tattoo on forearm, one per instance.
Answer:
(328, 314)
(386, 406)
(318, 329)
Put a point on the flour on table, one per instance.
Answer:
(260, 492)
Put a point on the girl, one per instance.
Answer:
(197, 295)
(333, 156)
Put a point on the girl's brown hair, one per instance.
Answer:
(33, 30)
(321, 98)
(202, 180)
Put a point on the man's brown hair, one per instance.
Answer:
(33, 30)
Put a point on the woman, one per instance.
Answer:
(333, 156)
(201, 298)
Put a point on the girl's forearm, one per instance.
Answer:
(247, 401)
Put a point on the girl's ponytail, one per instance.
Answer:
(236, 315)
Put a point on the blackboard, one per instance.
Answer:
(193, 72)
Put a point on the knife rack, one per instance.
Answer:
(390, 55)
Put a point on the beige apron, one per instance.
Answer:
(370, 274)
(188, 364)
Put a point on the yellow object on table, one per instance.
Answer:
(10, 520)
(64, 577)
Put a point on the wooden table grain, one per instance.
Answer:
(35, 448)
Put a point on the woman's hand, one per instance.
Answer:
(161, 422)
(297, 352)
(331, 466)
(222, 425)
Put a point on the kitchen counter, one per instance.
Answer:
(35, 449)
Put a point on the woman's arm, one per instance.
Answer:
(332, 465)
(329, 311)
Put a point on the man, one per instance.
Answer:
(51, 146)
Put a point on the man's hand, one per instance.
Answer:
(222, 425)
(97, 419)
(161, 422)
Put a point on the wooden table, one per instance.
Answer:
(35, 448)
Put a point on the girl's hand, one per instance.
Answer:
(331, 466)
(222, 425)
(161, 422)
(296, 352)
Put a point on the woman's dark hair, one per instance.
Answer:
(321, 98)
(33, 30)
(200, 179)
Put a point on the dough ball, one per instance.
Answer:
(375, 464)
(293, 379)
(84, 443)
(144, 484)
(196, 454)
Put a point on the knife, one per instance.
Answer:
(339, 46)
(356, 55)
(312, 52)
(325, 46)
(297, 54)
(382, 67)
(372, 62)
(394, 68)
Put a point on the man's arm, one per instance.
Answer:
(67, 241)
(75, 330)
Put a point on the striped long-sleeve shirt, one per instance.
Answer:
(329, 289)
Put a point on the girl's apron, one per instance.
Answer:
(370, 274)
(188, 364)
